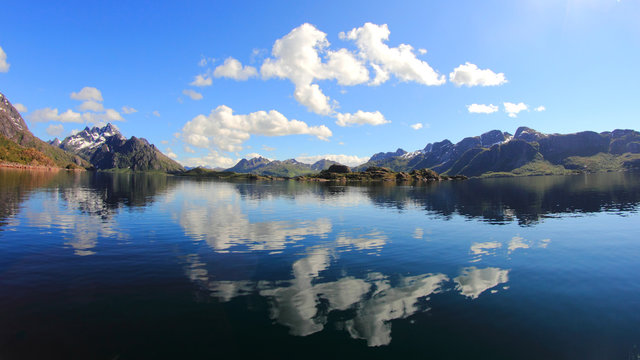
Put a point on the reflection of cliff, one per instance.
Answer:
(15, 187)
(526, 199)
(102, 193)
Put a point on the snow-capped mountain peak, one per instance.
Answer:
(90, 138)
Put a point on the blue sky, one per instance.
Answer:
(306, 79)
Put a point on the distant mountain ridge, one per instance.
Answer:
(528, 152)
(284, 168)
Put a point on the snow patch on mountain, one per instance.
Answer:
(90, 139)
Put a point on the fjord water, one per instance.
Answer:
(129, 266)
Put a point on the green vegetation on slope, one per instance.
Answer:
(534, 168)
(60, 157)
(601, 162)
(14, 153)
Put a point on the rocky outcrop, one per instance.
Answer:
(134, 154)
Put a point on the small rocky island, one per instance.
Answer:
(335, 173)
(343, 173)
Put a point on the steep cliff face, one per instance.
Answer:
(134, 154)
(20, 145)
(501, 158)
(12, 126)
(557, 147)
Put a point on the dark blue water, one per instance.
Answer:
(113, 266)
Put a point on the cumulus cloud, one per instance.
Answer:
(109, 115)
(470, 75)
(298, 56)
(233, 69)
(399, 61)
(87, 93)
(49, 114)
(416, 126)
(482, 108)
(4, 65)
(21, 108)
(194, 95)
(253, 155)
(90, 111)
(227, 131)
(170, 153)
(349, 160)
(361, 118)
(213, 159)
(128, 110)
(91, 105)
(201, 80)
(513, 109)
(540, 108)
(156, 113)
(55, 130)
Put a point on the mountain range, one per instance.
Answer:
(285, 168)
(99, 148)
(527, 152)
(494, 153)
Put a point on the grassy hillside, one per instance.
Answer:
(60, 157)
(14, 153)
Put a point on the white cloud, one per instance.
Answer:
(422, 51)
(21, 108)
(48, 114)
(470, 75)
(201, 80)
(399, 61)
(128, 110)
(482, 108)
(188, 149)
(170, 153)
(361, 118)
(416, 126)
(233, 69)
(253, 155)
(227, 131)
(349, 160)
(204, 61)
(55, 130)
(194, 95)
(87, 93)
(91, 105)
(297, 57)
(156, 113)
(267, 148)
(4, 65)
(513, 109)
(107, 116)
(540, 108)
(213, 159)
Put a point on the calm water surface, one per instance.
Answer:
(112, 266)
